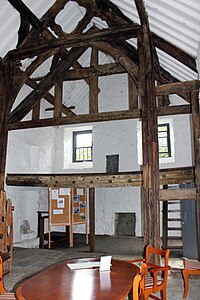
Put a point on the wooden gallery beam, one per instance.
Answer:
(99, 180)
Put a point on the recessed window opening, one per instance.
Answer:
(166, 141)
(164, 145)
(82, 146)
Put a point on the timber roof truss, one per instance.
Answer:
(41, 39)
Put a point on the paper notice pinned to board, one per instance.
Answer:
(58, 212)
(54, 194)
(79, 192)
(64, 191)
(60, 203)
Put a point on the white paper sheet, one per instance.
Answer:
(105, 263)
(58, 212)
(79, 191)
(64, 191)
(84, 265)
(60, 203)
(54, 194)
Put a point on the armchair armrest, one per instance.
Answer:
(137, 262)
(154, 271)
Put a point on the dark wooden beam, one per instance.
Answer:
(24, 10)
(6, 81)
(93, 84)
(49, 97)
(150, 166)
(36, 111)
(45, 85)
(100, 117)
(174, 110)
(119, 56)
(58, 100)
(196, 136)
(174, 51)
(100, 70)
(175, 88)
(102, 180)
(75, 41)
(112, 17)
(132, 94)
(163, 76)
(92, 218)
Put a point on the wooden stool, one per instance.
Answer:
(190, 268)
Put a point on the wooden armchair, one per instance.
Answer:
(190, 268)
(4, 295)
(138, 284)
(155, 279)
(6, 232)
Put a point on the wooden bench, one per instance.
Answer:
(190, 268)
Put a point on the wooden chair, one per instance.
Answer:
(4, 295)
(190, 268)
(138, 284)
(6, 232)
(157, 273)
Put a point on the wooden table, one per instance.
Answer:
(59, 282)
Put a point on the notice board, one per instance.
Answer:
(59, 206)
(79, 205)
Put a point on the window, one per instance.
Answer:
(82, 146)
(164, 140)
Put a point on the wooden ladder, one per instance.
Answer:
(172, 223)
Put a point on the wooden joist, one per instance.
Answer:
(167, 176)
(177, 194)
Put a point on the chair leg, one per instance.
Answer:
(186, 283)
(163, 294)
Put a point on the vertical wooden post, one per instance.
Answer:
(196, 135)
(58, 100)
(93, 85)
(132, 94)
(5, 101)
(150, 194)
(92, 218)
(36, 111)
(165, 229)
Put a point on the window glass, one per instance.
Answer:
(82, 146)
(164, 140)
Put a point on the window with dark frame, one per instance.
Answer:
(164, 144)
(82, 146)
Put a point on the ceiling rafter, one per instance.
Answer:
(45, 85)
(106, 11)
(162, 76)
(75, 41)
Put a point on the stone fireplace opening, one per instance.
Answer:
(125, 223)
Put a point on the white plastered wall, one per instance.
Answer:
(42, 151)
